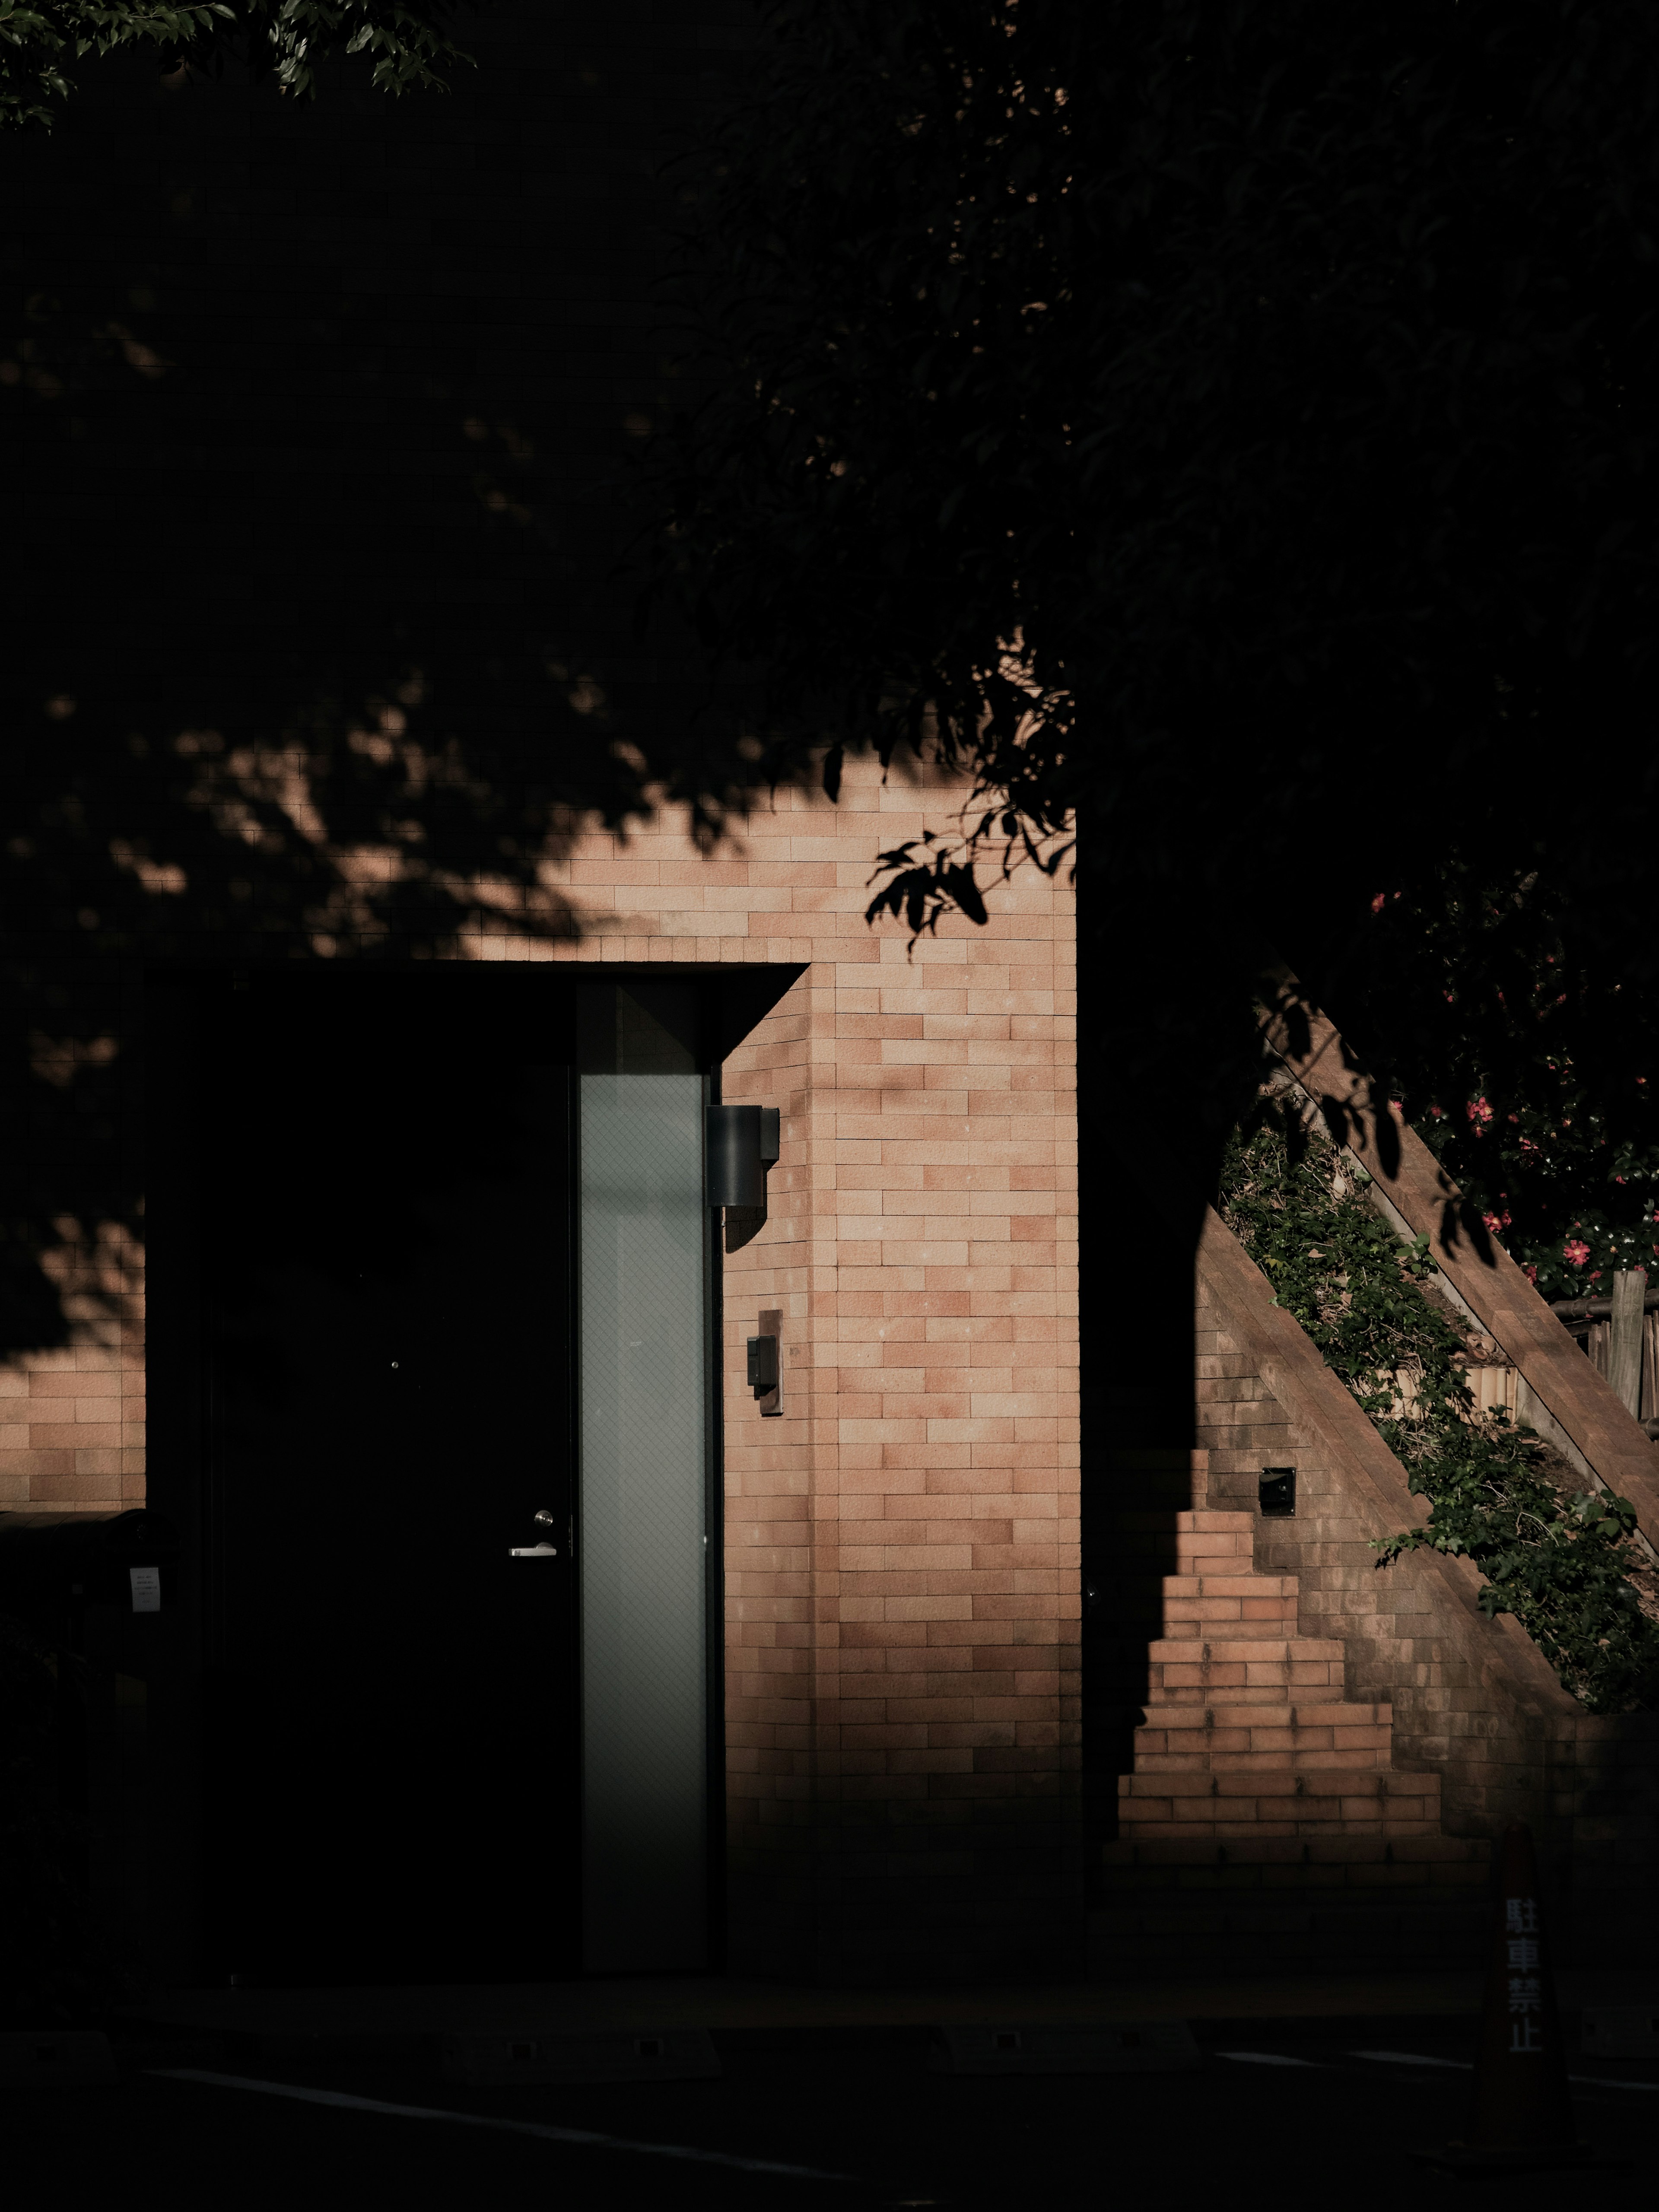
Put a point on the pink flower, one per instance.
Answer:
(1379, 903)
(1530, 1271)
(1492, 1222)
(1575, 1251)
(1479, 1112)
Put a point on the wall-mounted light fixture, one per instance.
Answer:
(741, 1143)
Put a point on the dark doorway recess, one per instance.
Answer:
(391, 1759)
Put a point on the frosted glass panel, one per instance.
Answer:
(641, 1554)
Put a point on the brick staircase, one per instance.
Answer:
(1264, 1825)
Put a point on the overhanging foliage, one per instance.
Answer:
(41, 39)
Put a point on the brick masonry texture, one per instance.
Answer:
(1475, 1711)
(412, 343)
(405, 349)
(902, 1544)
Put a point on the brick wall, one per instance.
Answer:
(1474, 1704)
(324, 637)
(903, 1543)
(72, 1435)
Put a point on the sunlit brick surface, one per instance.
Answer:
(1450, 1723)
(72, 1418)
(901, 1543)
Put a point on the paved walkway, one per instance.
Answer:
(571, 2007)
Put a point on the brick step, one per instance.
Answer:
(1298, 1720)
(1198, 1618)
(1348, 1780)
(1378, 1754)
(1138, 1861)
(1230, 1583)
(1214, 1555)
(1210, 1666)
(1326, 1734)
(1273, 1644)
(1168, 1700)
(1200, 1806)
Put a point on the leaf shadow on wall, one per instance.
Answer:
(292, 674)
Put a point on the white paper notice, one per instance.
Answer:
(146, 1589)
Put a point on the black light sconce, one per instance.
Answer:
(1276, 1493)
(741, 1142)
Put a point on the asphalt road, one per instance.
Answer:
(1334, 2129)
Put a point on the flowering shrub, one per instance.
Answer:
(1520, 1024)
(1560, 1563)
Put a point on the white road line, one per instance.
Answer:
(1467, 2066)
(584, 2136)
(1413, 2058)
(1270, 2058)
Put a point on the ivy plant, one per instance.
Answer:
(1562, 1562)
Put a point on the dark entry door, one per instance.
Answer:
(392, 1762)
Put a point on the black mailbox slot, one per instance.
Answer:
(762, 1364)
(1277, 1492)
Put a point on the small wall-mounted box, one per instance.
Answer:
(1276, 1493)
(766, 1363)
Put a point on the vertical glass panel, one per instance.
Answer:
(642, 1557)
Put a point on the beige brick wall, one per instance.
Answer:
(72, 1418)
(902, 1544)
(440, 288)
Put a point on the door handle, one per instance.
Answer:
(542, 1519)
